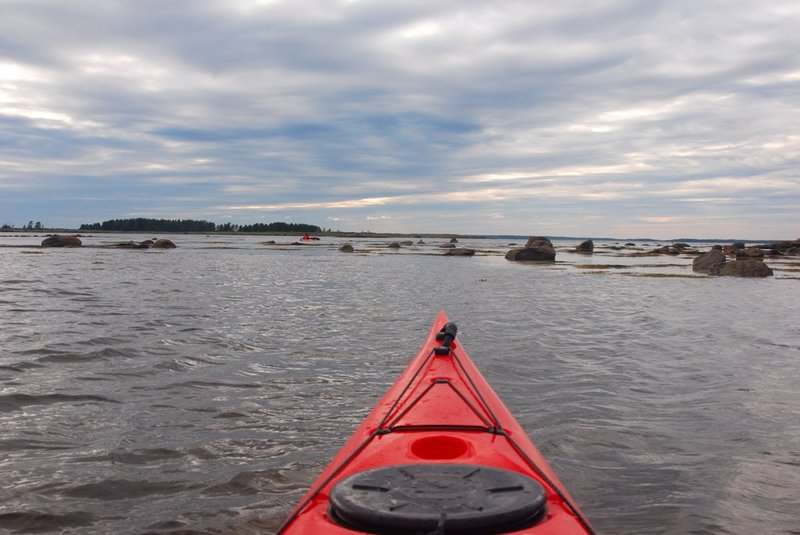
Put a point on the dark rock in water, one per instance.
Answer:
(394, 245)
(789, 248)
(421, 242)
(447, 246)
(586, 247)
(749, 252)
(681, 245)
(58, 240)
(538, 241)
(406, 243)
(710, 263)
(453, 240)
(536, 254)
(746, 267)
(270, 242)
(537, 249)
(125, 245)
(164, 243)
(346, 248)
(460, 251)
(630, 244)
(716, 248)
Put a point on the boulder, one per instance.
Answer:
(58, 240)
(710, 263)
(393, 245)
(421, 242)
(163, 243)
(537, 249)
(460, 251)
(346, 248)
(746, 267)
(453, 240)
(538, 241)
(407, 243)
(586, 247)
(536, 254)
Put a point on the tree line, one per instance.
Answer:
(141, 224)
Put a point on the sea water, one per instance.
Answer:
(204, 388)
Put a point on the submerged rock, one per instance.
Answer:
(460, 251)
(394, 245)
(58, 240)
(164, 243)
(587, 247)
(746, 267)
(346, 248)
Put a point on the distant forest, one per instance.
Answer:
(141, 224)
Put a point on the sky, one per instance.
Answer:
(622, 118)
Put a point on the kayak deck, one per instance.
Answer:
(440, 453)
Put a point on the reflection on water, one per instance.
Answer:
(204, 388)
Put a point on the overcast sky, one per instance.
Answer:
(626, 118)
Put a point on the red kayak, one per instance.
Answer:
(439, 454)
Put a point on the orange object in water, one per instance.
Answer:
(439, 454)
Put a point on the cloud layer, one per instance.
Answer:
(620, 118)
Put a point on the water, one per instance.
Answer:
(202, 389)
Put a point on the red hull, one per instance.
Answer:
(441, 410)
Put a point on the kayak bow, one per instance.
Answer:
(439, 454)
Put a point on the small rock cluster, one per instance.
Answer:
(748, 262)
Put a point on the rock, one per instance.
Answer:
(749, 252)
(163, 243)
(346, 248)
(666, 249)
(406, 243)
(681, 245)
(586, 247)
(453, 240)
(447, 246)
(421, 242)
(393, 245)
(146, 244)
(537, 249)
(746, 267)
(125, 245)
(630, 244)
(460, 251)
(270, 242)
(58, 240)
(790, 248)
(710, 263)
(536, 254)
(538, 241)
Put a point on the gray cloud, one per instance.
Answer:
(622, 117)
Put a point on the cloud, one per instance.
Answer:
(506, 117)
